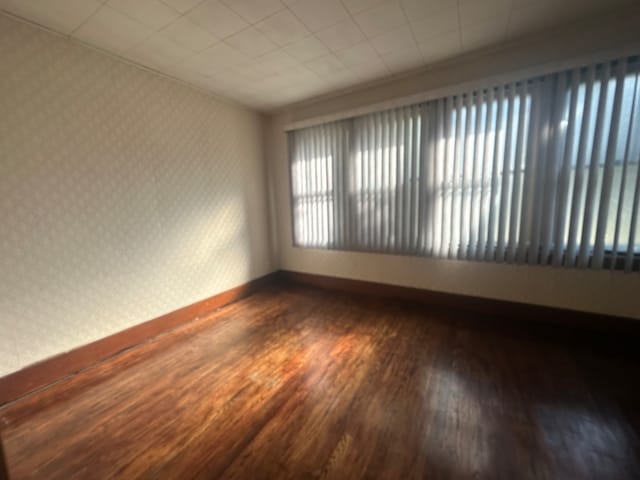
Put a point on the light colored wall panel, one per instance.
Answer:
(123, 195)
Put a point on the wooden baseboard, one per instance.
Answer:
(501, 309)
(41, 374)
(4, 473)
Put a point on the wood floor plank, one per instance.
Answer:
(295, 382)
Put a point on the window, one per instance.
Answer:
(541, 171)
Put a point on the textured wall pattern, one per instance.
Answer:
(123, 195)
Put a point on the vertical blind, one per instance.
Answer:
(538, 171)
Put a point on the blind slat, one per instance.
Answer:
(516, 197)
(494, 188)
(505, 168)
(564, 180)
(623, 181)
(467, 166)
(589, 206)
(476, 181)
(607, 180)
(554, 161)
(454, 239)
(576, 204)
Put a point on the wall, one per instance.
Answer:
(123, 195)
(605, 292)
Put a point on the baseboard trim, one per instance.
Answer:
(46, 372)
(4, 473)
(501, 309)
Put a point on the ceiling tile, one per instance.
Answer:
(215, 60)
(381, 18)
(357, 6)
(327, 65)
(158, 50)
(61, 15)
(251, 42)
(317, 15)
(309, 84)
(183, 6)
(217, 18)
(254, 10)
(417, 9)
(300, 74)
(283, 28)
(394, 40)
(248, 72)
(473, 11)
(275, 62)
(441, 47)
(437, 24)
(274, 82)
(307, 49)
(152, 13)
(112, 30)
(189, 35)
(308, 87)
(224, 54)
(360, 54)
(341, 35)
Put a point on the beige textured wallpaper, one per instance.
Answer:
(604, 291)
(123, 195)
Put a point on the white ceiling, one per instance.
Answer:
(269, 53)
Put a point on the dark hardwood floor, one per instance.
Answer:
(294, 382)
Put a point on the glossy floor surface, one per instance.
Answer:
(294, 382)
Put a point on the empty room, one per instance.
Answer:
(319, 239)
